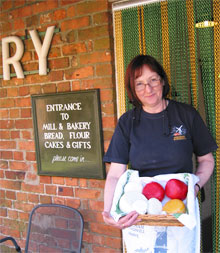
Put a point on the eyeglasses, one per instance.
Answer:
(152, 82)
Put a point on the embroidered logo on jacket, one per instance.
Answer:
(178, 133)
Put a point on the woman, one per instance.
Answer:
(158, 136)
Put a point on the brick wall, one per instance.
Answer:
(81, 57)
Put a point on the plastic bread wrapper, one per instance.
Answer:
(188, 219)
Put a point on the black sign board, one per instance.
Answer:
(68, 134)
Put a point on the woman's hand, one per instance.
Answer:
(124, 222)
(197, 189)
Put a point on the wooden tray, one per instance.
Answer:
(159, 220)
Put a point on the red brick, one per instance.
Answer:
(6, 5)
(18, 155)
(15, 134)
(12, 214)
(25, 112)
(23, 102)
(14, 113)
(18, 175)
(6, 124)
(93, 183)
(57, 40)
(101, 18)
(2, 194)
(33, 198)
(107, 95)
(93, 239)
(3, 211)
(19, 3)
(12, 92)
(79, 73)
(96, 205)
(87, 193)
(13, 82)
(19, 24)
(26, 145)
(56, 75)
(21, 196)
(65, 2)
(58, 180)
(72, 49)
(31, 177)
(71, 181)
(30, 156)
(104, 229)
(108, 108)
(29, 44)
(45, 199)
(108, 134)
(35, 89)
(75, 85)
(26, 135)
(65, 191)
(6, 26)
(1, 173)
(7, 102)
(30, 79)
(90, 7)
(26, 207)
(46, 18)
(62, 87)
(75, 23)
(23, 91)
(49, 88)
(71, 36)
(104, 70)
(3, 93)
(102, 43)
(7, 203)
(45, 179)
(59, 14)
(115, 243)
(23, 217)
(4, 135)
(26, 57)
(32, 188)
(6, 155)
(12, 185)
(23, 123)
(51, 189)
(75, 203)
(93, 32)
(30, 66)
(10, 195)
(59, 63)
(54, 52)
(45, 6)
(19, 166)
(7, 145)
(59, 200)
(4, 113)
(3, 164)
(95, 58)
(83, 182)
(71, 12)
(12, 232)
(22, 12)
(109, 122)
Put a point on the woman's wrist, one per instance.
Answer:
(198, 186)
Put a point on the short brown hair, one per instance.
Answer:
(134, 67)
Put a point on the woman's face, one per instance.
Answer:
(149, 90)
